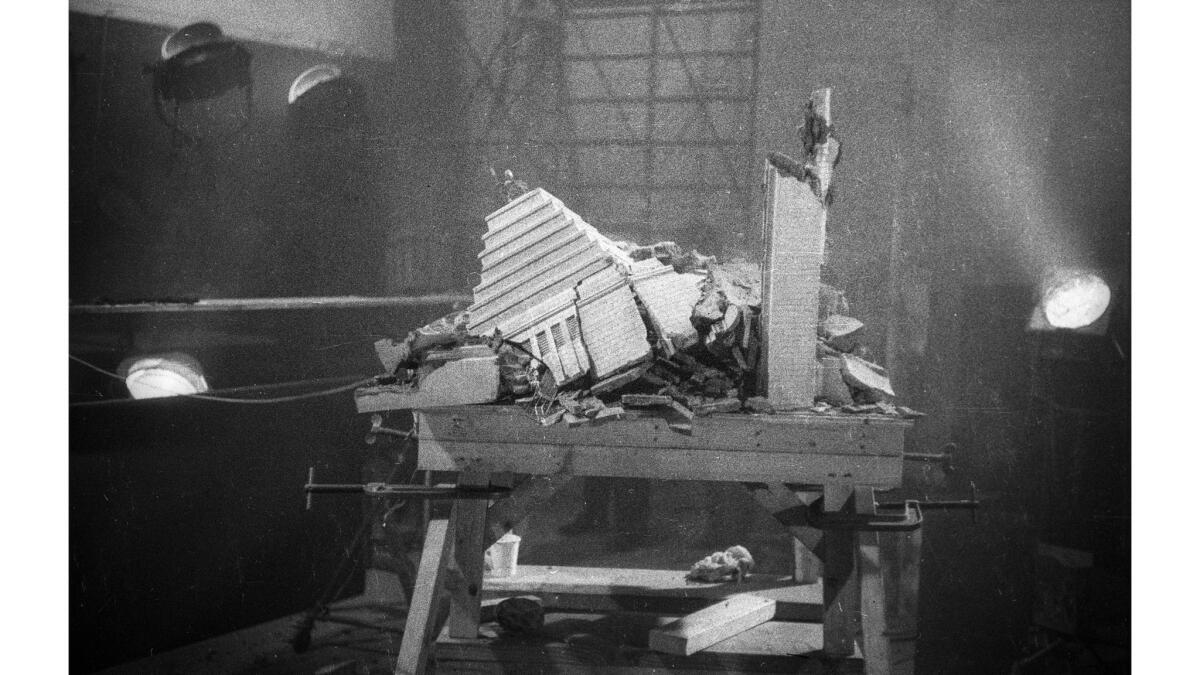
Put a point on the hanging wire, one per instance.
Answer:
(228, 399)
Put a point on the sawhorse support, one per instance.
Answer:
(870, 578)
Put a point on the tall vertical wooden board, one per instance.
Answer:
(794, 239)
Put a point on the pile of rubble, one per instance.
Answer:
(581, 327)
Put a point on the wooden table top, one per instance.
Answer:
(803, 447)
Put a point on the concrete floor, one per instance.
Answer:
(687, 521)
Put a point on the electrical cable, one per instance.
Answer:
(227, 399)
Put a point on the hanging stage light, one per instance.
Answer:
(197, 63)
(1073, 299)
(310, 78)
(324, 99)
(162, 375)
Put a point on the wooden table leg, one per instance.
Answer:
(506, 513)
(421, 624)
(791, 507)
(841, 599)
(468, 516)
(871, 591)
(901, 562)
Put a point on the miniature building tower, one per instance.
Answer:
(794, 241)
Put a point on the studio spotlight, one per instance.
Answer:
(1073, 299)
(323, 99)
(198, 63)
(310, 78)
(162, 375)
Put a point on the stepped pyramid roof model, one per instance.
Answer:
(534, 249)
(555, 285)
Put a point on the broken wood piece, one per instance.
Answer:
(685, 429)
(834, 389)
(669, 299)
(591, 405)
(689, 634)
(747, 325)
(553, 418)
(392, 353)
(461, 382)
(651, 378)
(867, 377)
(614, 411)
(832, 301)
(682, 409)
(644, 400)
(736, 284)
(740, 358)
(759, 404)
(573, 420)
(841, 332)
(437, 357)
(723, 406)
(617, 381)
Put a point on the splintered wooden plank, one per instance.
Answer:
(794, 239)
(698, 630)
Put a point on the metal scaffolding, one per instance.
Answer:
(641, 114)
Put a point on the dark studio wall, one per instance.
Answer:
(187, 518)
(279, 208)
(983, 142)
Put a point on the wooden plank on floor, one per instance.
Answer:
(617, 644)
(699, 630)
(598, 589)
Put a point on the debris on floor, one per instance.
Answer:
(523, 614)
(582, 328)
(733, 563)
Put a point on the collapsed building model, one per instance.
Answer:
(583, 326)
(566, 317)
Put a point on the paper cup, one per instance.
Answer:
(504, 555)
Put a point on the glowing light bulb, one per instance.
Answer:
(164, 375)
(1075, 300)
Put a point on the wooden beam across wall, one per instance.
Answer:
(794, 213)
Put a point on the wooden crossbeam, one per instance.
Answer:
(422, 624)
